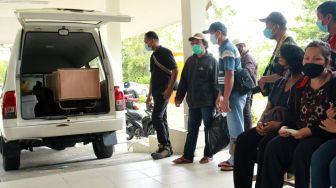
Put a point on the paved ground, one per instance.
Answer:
(45, 161)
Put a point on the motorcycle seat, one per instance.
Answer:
(134, 114)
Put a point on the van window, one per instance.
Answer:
(45, 52)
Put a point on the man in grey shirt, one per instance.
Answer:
(249, 63)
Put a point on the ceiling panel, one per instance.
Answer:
(147, 14)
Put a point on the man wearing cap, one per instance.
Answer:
(228, 100)
(199, 82)
(164, 71)
(250, 64)
(275, 30)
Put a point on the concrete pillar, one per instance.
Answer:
(113, 34)
(193, 21)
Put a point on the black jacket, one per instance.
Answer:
(199, 81)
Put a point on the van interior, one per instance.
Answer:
(44, 53)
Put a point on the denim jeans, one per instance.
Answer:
(323, 166)
(235, 120)
(196, 115)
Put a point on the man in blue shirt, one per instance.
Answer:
(229, 100)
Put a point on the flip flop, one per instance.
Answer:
(226, 166)
(223, 163)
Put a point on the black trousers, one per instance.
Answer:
(281, 153)
(247, 112)
(159, 118)
(250, 148)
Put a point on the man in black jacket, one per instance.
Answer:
(199, 81)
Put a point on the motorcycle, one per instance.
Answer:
(138, 125)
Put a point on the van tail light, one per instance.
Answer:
(119, 99)
(9, 105)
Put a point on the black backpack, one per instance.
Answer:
(243, 82)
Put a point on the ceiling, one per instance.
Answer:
(147, 14)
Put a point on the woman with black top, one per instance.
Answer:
(251, 144)
(300, 134)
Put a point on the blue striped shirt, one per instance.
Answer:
(229, 59)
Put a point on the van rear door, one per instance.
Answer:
(73, 18)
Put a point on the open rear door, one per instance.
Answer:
(32, 18)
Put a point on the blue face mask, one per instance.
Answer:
(323, 28)
(147, 47)
(268, 33)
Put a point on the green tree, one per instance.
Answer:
(3, 68)
(135, 58)
(221, 13)
(135, 66)
(306, 28)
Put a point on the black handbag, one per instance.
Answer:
(218, 135)
(243, 82)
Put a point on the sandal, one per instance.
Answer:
(205, 160)
(222, 163)
(182, 160)
(226, 166)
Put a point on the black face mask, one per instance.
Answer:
(278, 69)
(313, 70)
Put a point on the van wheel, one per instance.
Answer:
(11, 162)
(10, 155)
(101, 151)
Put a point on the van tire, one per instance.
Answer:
(10, 155)
(11, 162)
(101, 151)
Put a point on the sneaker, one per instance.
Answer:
(162, 153)
(159, 150)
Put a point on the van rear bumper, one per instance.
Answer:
(52, 130)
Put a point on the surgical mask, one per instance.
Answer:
(313, 70)
(323, 28)
(148, 48)
(213, 39)
(279, 69)
(197, 49)
(268, 33)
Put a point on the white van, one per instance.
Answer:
(52, 40)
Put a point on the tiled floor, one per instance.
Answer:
(156, 174)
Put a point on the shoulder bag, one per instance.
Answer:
(166, 70)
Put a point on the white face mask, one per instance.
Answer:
(213, 39)
(148, 48)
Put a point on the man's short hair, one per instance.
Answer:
(151, 35)
(328, 7)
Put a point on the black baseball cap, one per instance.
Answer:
(275, 18)
(216, 26)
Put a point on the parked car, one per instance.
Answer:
(33, 114)
(141, 89)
